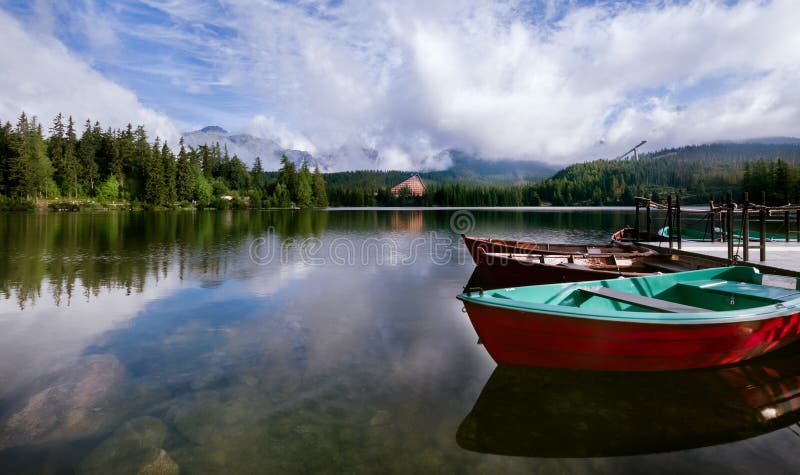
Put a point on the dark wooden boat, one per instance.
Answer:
(544, 412)
(496, 270)
(692, 319)
(508, 246)
(629, 235)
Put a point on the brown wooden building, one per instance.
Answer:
(414, 185)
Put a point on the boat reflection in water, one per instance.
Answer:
(539, 412)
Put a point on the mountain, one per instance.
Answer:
(472, 169)
(765, 141)
(248, 147)
(463, 166)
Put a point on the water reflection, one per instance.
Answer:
(157, 338)
(536, 412)
(78, 255)
(67, 255)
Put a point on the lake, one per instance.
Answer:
(330, 341)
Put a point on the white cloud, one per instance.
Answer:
(52, 335)
(544, 79)
(43, 78)
(483, 77)
(263, 126)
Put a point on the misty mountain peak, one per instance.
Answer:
(213, 129)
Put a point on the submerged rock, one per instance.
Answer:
(162, 465)
(75, 403)
(134, 448)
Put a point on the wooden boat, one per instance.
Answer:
(545, 412)
(497, 270)
(675, 321)
(629, 235)
(527, 247)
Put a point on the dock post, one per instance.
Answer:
(786, 220)
(678, 219)
(649, 220)
(762, 216)
(636, 222)
(723, 223)
(745, 228)
(669, 220)
(730, 226)
(797, 219)
(713, 221)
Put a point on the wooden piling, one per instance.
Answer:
(745, 228)
(762, 216)
(678, 219)
(669, 220)
(786, 221)
(713, 221)
(730, 226)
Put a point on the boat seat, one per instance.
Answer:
(642, 301)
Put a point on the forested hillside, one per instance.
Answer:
(124, 165)
(697, 173)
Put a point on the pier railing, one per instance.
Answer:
(720, 224)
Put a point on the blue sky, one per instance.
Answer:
(549, 80)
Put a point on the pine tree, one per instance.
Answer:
(69, 185)
(287, 176)
(139, 163)
(120, 164)
(154, 185)
(184, 176)
(305, 196)
(86, 155)
(40, 164)
(318, 188)
(55, 147)
(20, 174)
(257, 174)
(5, 156)
(168, 162)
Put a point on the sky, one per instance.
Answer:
(556, 81)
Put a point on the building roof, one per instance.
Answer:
(414, 185)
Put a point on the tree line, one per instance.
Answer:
(123, 165)
(696, 173)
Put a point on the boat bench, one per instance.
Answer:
(642, 301)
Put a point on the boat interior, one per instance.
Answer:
(708, 290)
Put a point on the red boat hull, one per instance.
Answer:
(475, 245)
(519, 338)
(501, 272)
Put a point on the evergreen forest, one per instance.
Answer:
(68, 169)
(124, 167)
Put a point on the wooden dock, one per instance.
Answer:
(782, 258)
(722, 226)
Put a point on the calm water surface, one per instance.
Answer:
(329, 342)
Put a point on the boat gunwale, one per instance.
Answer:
(656, 318)
(776, 309)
